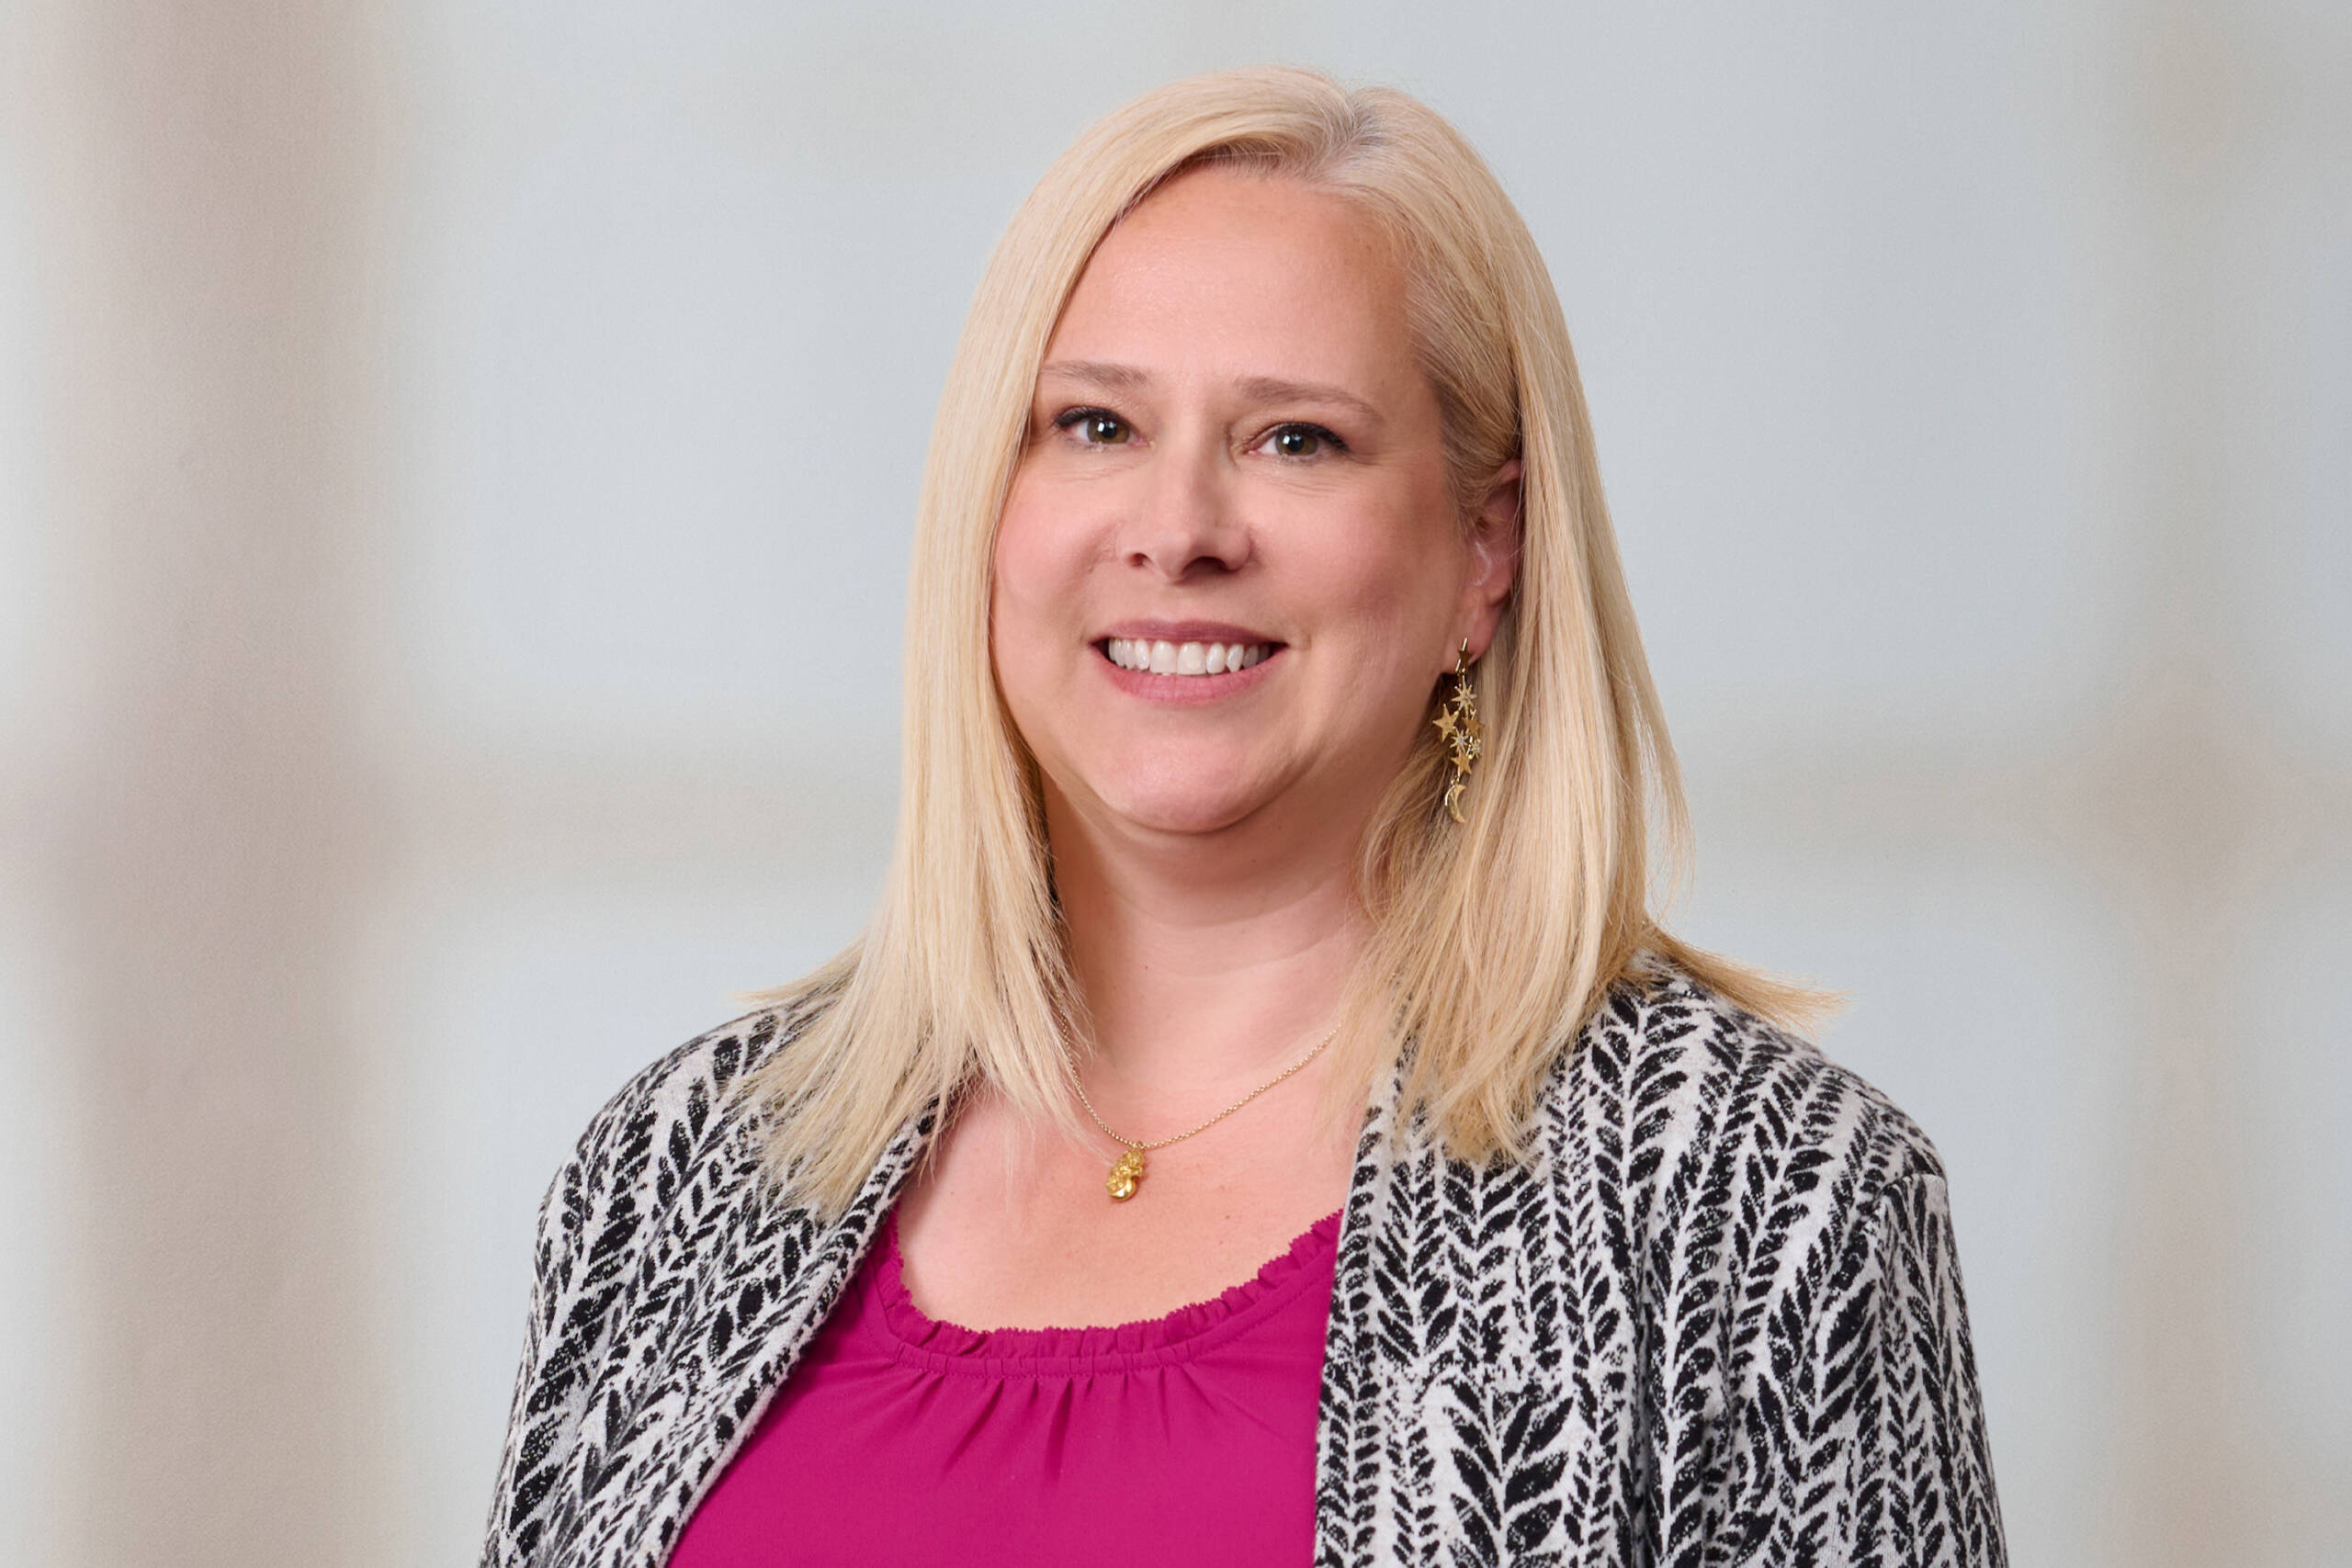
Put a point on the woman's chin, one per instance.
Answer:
(1191, 816)
(1196, 808)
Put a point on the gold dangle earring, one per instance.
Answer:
(1458, 722)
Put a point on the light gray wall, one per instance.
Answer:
(455, 464)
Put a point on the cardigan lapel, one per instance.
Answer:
(1385, 1245)
(761, 1304)
(1445, 1424)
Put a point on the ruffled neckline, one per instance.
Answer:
(1144, 1342)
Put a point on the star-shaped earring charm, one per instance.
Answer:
(1457, 721)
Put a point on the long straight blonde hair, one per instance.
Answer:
(1492, 942)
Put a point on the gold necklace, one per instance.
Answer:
(1126, 1171)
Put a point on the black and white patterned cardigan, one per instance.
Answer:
(1715, 1318)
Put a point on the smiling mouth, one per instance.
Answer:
(1186, 659)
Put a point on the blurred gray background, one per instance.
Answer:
(455, 466)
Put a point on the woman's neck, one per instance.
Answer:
(1206, 965)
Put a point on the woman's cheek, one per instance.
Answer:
(1032, 576)
(1375, 574)
(1047, 541)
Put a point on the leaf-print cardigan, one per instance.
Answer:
(1714, 1317)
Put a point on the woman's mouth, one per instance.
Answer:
(1150, 657)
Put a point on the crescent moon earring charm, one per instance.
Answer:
(1458, 723)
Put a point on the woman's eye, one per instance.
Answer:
(1096, 428)
(1303, 441)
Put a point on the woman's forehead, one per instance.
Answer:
(1248, 274)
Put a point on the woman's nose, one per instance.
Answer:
(1185, 521)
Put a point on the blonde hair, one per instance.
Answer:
(1492, 942)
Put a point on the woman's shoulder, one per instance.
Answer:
(1680, 1087)
(681, 1096)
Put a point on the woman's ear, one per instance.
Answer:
(1495, 539)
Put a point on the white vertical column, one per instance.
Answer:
(202, 196)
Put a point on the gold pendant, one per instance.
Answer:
(1126, 1175)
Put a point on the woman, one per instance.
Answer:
(1266, 982)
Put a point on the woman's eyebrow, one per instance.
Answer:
(1096, 373)
(1112, 377)
(1275, 389)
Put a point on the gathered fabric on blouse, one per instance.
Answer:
(1186, 1439)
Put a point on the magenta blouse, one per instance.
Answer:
(1185, 1439)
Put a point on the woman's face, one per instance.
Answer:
(1230, 569)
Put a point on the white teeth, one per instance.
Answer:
(1183, 658)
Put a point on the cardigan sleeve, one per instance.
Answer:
(590, 1279)
(1865, 1433)
(585, 1222)
(531, 1415)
